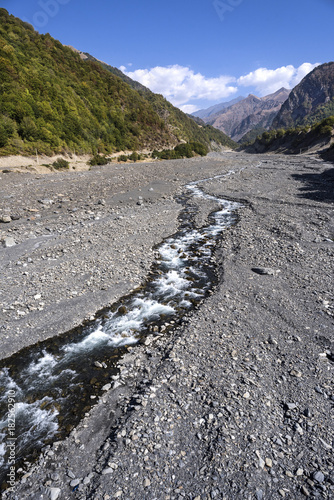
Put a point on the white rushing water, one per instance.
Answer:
(180, 279)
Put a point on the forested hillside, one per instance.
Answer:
(317, 137)
(174, 118)
(54, 102)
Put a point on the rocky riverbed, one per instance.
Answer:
(237, 401)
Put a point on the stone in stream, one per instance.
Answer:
(106, 387)
(122, 310)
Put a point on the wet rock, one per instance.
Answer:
(106, 387)
(122, 310)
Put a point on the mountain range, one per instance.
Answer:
(249, 113)
(206, 113)
(305, 121)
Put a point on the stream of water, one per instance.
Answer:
(47, 388)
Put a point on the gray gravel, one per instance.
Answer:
(237, 402)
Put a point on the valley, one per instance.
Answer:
(166, 327)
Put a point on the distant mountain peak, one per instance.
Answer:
(248, 113)
(212, 110)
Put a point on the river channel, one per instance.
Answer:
(47, 388)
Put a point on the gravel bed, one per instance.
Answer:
(237, 401)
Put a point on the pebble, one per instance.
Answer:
(291, 406)
(259, 495)
(298, 429)
(54, 493)
(318, 476)
(305, 491)
(46, 202)
(5, 219)
(75, 483)
(8, 242)
(106, 471)
(265, 271)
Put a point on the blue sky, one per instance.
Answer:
(195, 52)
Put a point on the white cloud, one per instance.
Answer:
(189, 108)
(266, 81)
(182, 87)
(302, 71)
(180, 84)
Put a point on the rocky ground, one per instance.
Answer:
(237, 402)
